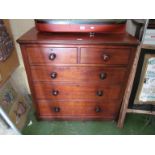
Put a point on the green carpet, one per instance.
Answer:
(135, 124)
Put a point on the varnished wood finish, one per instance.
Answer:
(113, 75)
(76, 91)
(98, 55)
(74, 83)
(39, 55)
(35, 37)
(77, 108)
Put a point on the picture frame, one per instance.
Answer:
(14, 104)
(146, 89)
(7, 127)
(134, 101)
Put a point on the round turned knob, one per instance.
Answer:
(56, 109)
(99, 93)
(98, 109)
(55, 92)
(105, 57)
(52, 56)
(53, 75)
(103, 76)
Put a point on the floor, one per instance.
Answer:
(135, 124)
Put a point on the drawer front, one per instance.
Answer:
(105, 56)
(76, 91)
(39, 55)
(57, 108)
(107, 75)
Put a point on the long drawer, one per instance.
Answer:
(43, 55)
(115, 56)
(108, 75)
(59, 108)
(79, 91)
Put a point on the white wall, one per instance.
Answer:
(18, 28)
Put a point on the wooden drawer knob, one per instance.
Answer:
(105, 57)
(98, 109)
(55, 92)
(53, 75)
(56, 109)
(103, 75)
(99, 93)
(52, 56)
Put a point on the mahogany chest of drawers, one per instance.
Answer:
(75, 76)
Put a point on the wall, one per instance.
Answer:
(18, 28)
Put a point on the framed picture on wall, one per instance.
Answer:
(146, 89)
(143, 91)
(14, 104)
(6, 125)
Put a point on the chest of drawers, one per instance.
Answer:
(75, 76)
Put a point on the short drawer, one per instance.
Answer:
(105, 56)
(41, 55)
(76, 91)
(77, 108)
(108, 75)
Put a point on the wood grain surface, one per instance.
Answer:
(80, 82)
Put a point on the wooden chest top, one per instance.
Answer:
(33, 36)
